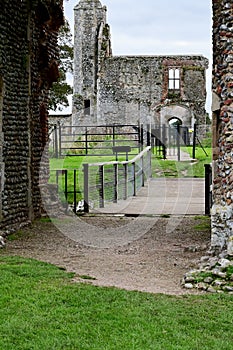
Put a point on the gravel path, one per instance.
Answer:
(145, 253)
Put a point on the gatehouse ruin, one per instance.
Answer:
(130, 89)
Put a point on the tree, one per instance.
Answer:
(61, 89)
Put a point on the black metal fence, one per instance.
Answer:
(100, 183)
(99, 140)
(167, 140)
(95, 140)
(113, 181)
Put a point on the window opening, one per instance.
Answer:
(174, 79)
(87, 107)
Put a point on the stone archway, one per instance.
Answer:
(175, 121)
(178, 112)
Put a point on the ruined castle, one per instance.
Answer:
(130, 89)
(107, 88)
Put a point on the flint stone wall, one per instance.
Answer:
(28, 52)
(222, 211)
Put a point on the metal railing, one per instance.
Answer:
(208, 189)
(113, 181)
(100, 183)
(95, 140)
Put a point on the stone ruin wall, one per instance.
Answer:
(131, 88)
(222, 211)
(128, 89)
(28, 52)
(89, 50)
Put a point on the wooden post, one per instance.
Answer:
(148, 134)
(66, 183)
(86, 190)
(55, 141)
(142, 136)
(60, 143)
(101, 190)
(178, 142)
(113, 136)
(115, 187)
(208, 183)
(86, 141)
(143, 173)
(75, 191)
(150, 164)
(134, 180)
(126, 181)
(194, 140)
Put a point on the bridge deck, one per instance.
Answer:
(184, 196)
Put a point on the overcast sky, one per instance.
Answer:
(154, 27)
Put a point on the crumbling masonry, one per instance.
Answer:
(129, 89)
(28, 66)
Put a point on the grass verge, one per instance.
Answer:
(170, 168)
(41, 309)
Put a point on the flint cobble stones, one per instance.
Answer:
(222, 211)
(214, 275)
(28, 53)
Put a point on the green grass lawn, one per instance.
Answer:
(76, 162)
(169, 168)
(41, 309)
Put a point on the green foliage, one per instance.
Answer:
(41, 309)
(61, 89)
(203, 223)
(86, 277)
(169, 168)
(17, 235)
(207, 141)
(229, 271)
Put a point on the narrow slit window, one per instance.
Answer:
(174, 79)
(87, 107)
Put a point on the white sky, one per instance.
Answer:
(154, 27)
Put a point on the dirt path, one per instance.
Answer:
(154, 262)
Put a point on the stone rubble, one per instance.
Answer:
(214, 274)
(2, 242)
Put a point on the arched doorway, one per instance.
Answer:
(174, 122)
(177, 112)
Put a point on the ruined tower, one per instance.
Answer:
(90, 40)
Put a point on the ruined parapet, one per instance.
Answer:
(133, 88)
(222, 212)
(28, 67)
